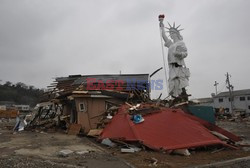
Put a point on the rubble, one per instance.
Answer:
(158, 127)
(9, 113)
(235, 116)
(183, 152)
(65, 153)
(95, 132)
(108, 142)
(153, 161)
(82, 152)
(74, 129)
(20, 124)
(128, 119)
(130, 149)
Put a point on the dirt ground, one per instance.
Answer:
(41, 149)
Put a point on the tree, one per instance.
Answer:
(20, 93)
(21, 85)
(7, 83)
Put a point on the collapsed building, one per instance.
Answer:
(86, 98)
(119, 108)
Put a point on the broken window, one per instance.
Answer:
(82, 107)
(220, 100)
(242, 98)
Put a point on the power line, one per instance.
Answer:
(222, 88)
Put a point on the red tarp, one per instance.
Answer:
(166, 129)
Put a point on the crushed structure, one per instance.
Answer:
(112, 109)
(84, 100)
(165, 129)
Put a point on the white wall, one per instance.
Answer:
(238, 104)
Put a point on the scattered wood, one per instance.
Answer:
(74, 129)
(8, 113)
(153, 161)
(128, 104)
(180, 104)
(219, 135)
(218, 150)
(127, 150)
(244, 145)
(95, 132)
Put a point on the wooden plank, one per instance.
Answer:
(74, 129)
(95, 132)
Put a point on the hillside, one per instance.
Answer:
(20, 93)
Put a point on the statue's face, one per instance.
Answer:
(173, 35)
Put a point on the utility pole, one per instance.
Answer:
(215, 84)
(230, 88)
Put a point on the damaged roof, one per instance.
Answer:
(64, 86)
(167, 129)
(104, 78)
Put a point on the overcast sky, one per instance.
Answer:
(43, 39)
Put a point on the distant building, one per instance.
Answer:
(208, 101)
(7, 104)
(241, 101)
(22, 108)
(2, 107)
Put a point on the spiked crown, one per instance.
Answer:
(174, 29)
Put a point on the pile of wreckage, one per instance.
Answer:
(164, 129)
(128, 117)
(236, 116)
(8, 113)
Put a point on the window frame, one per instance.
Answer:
(221, 100)
(83, 108)
(242, 98)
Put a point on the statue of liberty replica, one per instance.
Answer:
(178, 72)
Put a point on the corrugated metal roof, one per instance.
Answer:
(235, 93)
(167, 129)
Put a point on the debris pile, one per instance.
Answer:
(8, 113)
(128, 118)
(47, 117)
(236, 116)
(161, 128)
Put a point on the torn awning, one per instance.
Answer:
(167, 129)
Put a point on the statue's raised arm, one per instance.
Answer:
(167, 41)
